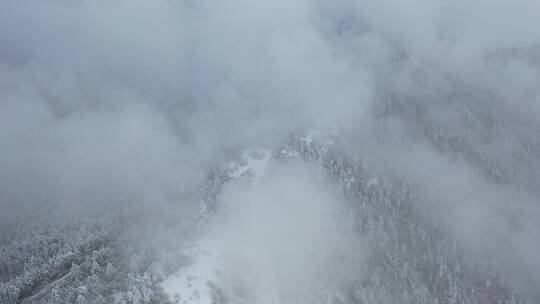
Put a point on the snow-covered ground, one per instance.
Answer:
(193, 284)
(253, 161)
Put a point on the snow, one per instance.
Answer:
(312, 135)
(190, 285)
(253, 160)
(321, 137)
(373, 181)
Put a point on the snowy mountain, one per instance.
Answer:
(269, 152)
(410, 259)
(382, 248)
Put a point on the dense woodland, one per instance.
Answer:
(122, 255)
(402, 136)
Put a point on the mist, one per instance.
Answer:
(135, 102)
(287, 236)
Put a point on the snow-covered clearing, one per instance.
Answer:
(193, 284)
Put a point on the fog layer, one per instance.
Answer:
(131, 101)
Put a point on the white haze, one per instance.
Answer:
(130, 100)
(287, 236)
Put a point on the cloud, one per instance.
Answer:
(289, 234)
(130, 100)
(92, 84)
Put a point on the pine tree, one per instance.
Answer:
(81, 296)
(110, 271)
(9, 294)
(55, 296)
